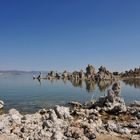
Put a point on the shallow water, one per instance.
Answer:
(28, 95)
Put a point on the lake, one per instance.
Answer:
(28, 95)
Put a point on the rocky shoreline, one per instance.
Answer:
(107, 118)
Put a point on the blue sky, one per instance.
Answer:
(69, 34)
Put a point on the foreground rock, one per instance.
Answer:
(58, 123)
(74, 122)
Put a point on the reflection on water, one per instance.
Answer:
(103, 85)
(90, 85)
(77, 83)
(28, 95)
(132, 82)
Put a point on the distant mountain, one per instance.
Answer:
(18, 72)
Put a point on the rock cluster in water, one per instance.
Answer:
(131, 73)
(90, 74)
(107, 116)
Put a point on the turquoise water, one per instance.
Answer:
(28, 95)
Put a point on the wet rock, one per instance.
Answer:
(1, 104)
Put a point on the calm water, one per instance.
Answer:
(28, 95)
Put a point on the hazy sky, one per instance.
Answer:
(69, 34)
